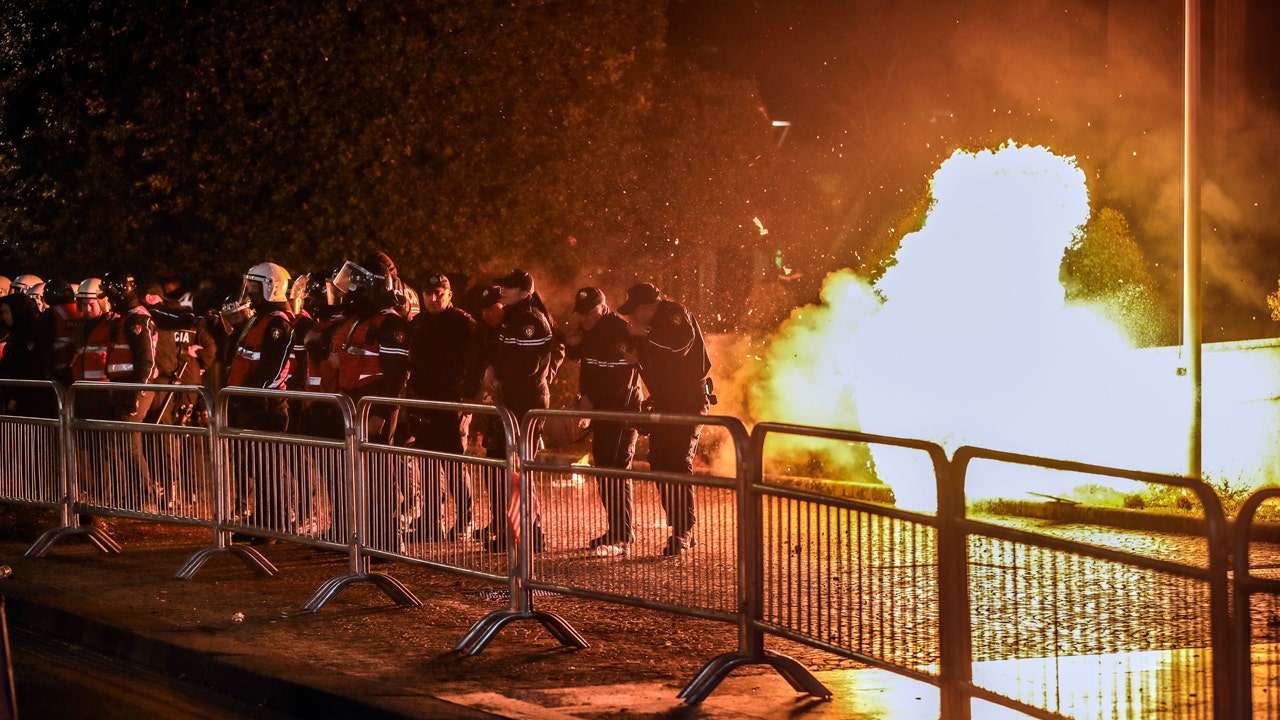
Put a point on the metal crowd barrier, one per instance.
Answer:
(130, 469)
(1256, 616)
(32, 461)
(423, 506)
(1001, 613)
(845, 574)
(1069, 627)
(706, 580)
(272, 483)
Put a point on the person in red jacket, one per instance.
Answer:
(60, 328)
(369, 349)
(119, 346)
(260, 355)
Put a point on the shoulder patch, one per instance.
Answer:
(677, 319)
(135, 329)
(399, 337)
(275, 333)
(528, 331)
(622, 348)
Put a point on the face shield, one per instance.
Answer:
(250, 292)
(298, 292)
(351, 277)
(235, 311)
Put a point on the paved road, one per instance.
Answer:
(56, 680)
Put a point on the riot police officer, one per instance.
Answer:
(260, 355)
(675, 367)
(526, 359)
(60, 328)
(609, 380)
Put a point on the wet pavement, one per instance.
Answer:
(239, 643)
(233, 640)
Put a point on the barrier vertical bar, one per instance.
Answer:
(751, 649)
(519, 446)
(955, 621)
(1241, 670)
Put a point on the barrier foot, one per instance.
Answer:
(247, 554)
(715, 671)
(391, 587)
(100, 538)
(480, 634)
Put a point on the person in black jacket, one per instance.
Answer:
(24, 358)
(608, 380)
(445, 366)
(675, 367)
(525, 362)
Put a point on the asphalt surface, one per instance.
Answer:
(117, 636)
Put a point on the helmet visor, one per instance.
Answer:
(235, 312)
(251, 291)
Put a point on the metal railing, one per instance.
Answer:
(1049, 612)
(130, 469)
(32, 460)
(982, 610)
(851, 576)
(272, 484)
(1255, 626)
(424, 506)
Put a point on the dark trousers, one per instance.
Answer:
(444, 431)
(671, 450)
(613, 445)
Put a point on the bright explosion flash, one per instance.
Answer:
(968, 340)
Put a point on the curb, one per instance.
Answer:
(346, 697)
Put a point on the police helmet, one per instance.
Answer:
(265, 282)
(23, 283)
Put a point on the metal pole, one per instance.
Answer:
(1191, 313)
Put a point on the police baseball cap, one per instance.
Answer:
(517, 279)
(437, 281)
(587, 298)
(637, 295)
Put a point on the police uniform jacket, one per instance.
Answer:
(262, 349)
(372, 355)
(59, 336)
(132, 355)
(176, 332)
(673, 360)
(444, 356)
(607, 378)
(528, 355)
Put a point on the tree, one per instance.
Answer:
(200, 137)
(1104, 265)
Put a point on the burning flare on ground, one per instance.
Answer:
(968, 340)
